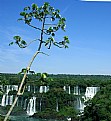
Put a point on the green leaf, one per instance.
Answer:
(17, 38)
(23, 70)
(52, 19)
(66, 46)
(23, 42)
(23, 13)
(51, 39)
(51, 8)
(28, 21)
(50, 29)
(56, 28)
(58, 16)
(63, 27)
(44, 75)
(53, 34)
(11, 43)
(47, 42)
(41, 14)
(26, 16)
(20, 19)
(66, 39)
(26, 8)
(63, 19)
(34, 7)
(46, 5)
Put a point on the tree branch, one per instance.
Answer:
(51, 24)
(58, 45)
(34, 27)
(38, 29)
(42, 32)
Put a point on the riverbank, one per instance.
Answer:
(26, 118)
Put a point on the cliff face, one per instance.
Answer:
(41, 98)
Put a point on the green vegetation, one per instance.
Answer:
(61, 115)
(57, 80)
(99, 108)
(1, 118)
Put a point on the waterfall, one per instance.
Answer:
(31, 109)
(57, 107)
(3, 100)
(90, 92)
(43, 89)
(7, 89)
(34, 88)
(40, 104)
(30, 106)
(64, 88)
(10, 99)
(28, 88)
(15, 87)
(69, 90)
(76, 90)
(25, 104)
(34, 98)
(80, 105)
(7, 97)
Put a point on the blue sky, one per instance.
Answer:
(88, 28)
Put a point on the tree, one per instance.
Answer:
(51, 21)
(99, 108)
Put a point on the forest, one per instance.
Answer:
(55, 102)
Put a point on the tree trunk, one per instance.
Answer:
(21, 85)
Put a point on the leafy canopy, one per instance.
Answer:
(51, 21)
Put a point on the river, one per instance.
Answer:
(25, 118)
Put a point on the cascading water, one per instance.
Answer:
(57, 106)
(14, 87)
(25, 104)
(34, 89)
(28, 88)
(30, 105)
(80, 104)
(40, 104)
(69, 90)
(31, 109)
(90, 92)
(43, 89)
(3, 100)
(64, 88)
(76, 90)
(10, 99)
(6, 97)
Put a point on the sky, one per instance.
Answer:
(88, 26)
